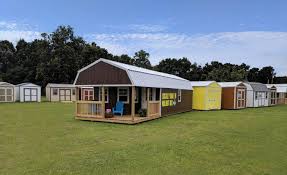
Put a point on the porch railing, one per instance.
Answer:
(88, 109)
(154, 108)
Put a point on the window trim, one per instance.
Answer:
(128, 94)
(179, 95)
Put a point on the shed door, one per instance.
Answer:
(65, 94)
(30, 94)
(240, 98)
(6, 94)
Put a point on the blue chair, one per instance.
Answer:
(119, 109)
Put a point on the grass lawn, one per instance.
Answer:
(44, 138)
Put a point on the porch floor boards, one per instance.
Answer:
(125, 119)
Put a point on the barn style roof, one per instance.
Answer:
(280, 87)
(201, 83)
(2, 83)
(257, 86)
(60, 85)
(146, 78)
(230, 84)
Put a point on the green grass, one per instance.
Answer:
(44, 138)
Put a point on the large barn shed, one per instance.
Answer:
(60, 92)
(206, 95)
(7, 92)
(257, 94)
(106, 87)
(28, 92)
(233, 95)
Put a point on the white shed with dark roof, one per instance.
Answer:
(257, 94)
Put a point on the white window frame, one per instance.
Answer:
(128, 95)
(179, 95)
(100, 95)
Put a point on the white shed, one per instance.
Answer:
(7, 92)
(28, 92)
(60, 92)
(257, 94)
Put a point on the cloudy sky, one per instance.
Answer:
(228, 31)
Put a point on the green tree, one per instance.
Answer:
(141, 59)
(7, 57)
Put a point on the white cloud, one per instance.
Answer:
(256, 48)
(15, 36)
(14, 31)
(147, 28)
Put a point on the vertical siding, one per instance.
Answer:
(227, 98)
(214, 96)
(207, 98)
(183, 106)
(199, 98)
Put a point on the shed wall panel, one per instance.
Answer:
(183, 106)
(227, 98)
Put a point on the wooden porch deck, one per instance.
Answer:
(125, 119)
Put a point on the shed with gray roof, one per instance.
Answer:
(257, 94)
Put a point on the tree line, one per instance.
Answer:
(56, 57)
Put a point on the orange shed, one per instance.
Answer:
(233, 95)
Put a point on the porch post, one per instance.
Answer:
(76, 102)
(147, 109)
(133, 102)
(103, 102)
(160, 90)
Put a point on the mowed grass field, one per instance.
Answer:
(44, 138)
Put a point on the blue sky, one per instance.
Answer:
(233, 31)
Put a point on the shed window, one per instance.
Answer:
(55, 91)
(266, 95)
(88, 94)
(179, 95)
(74, 92)
(168, 99)
(123, 94)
